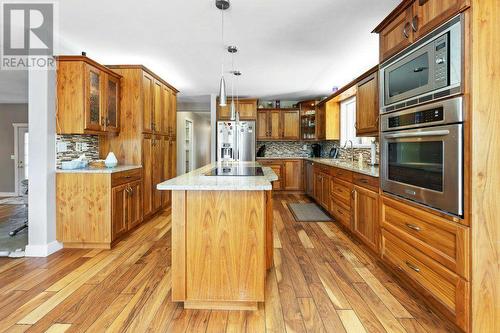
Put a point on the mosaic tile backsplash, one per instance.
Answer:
(71, 153)
(296, 149)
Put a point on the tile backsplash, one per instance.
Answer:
(90, 144)
(296, 149)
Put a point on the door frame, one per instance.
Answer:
(191, 141)
(17, 126)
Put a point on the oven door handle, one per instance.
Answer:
(417, 134)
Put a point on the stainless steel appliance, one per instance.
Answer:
(236, 141)
(236, 170)
(428, 70)
(316, 150)
(422, 154)
(310, 178)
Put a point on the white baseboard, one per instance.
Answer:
(43, 250)
(7, 194)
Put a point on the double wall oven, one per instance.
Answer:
(422, 121)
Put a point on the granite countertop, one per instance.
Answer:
(197, 181)
(119, 168)
(368, 170)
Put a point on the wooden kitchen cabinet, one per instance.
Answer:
(247, 108)
(88, 96)
(429, 14)
(412, 20)
(274, 125)
(396, 35)
(322, 182)
(112, 89)
(367, 106)
(293, 175)
(291, 125)
(148, 132)
(125, 208)
(366, 215)
(157, 176)
(262, 125)
(278, 124)
(147, 98)
(93, 210)
(157, 107)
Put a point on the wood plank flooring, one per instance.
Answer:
(322, 281)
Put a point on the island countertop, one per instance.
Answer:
(197, 180)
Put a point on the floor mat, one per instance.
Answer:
(308, 212)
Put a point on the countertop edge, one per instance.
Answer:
(117, 169)
(375, 174)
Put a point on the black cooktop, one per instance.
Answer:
(236, 171)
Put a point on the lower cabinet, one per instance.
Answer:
(322, 188)
(126, 207)
(157, 162)
(366, 216)
(289, 172)
(95, 209)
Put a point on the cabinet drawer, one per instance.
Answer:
(448, 289)
(370, 183)
(442, 240)
(340, 214)
(125, 177)
(342, 174)
(341, 191)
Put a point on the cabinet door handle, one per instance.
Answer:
(107, 121)
(414, 23)
(415, 268)
(405, 30)
(413, 227)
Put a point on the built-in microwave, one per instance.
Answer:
(428, 70)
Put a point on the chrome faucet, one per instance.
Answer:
(351, 150)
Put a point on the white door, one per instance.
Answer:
(22, 157)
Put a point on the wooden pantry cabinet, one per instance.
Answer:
(88, 97)
(412, 20)
(148, 136)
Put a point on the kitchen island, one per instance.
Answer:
(222, 241)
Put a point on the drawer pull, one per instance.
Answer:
(364, 181)
(413, 227)
(128, 177)
(415, 268)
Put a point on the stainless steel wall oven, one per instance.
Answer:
(422, 154)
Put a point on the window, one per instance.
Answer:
(348, 125)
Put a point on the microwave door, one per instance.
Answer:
(410, 76)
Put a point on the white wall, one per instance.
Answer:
(9, 114)
(42, 153)
(201, 139)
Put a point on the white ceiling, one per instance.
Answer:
(289, 49)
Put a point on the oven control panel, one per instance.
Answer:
(419, 117)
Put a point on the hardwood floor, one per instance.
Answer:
(322, 281)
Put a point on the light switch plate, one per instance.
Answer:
(12, 157)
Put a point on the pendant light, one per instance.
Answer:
(237, 74)
(222, 5)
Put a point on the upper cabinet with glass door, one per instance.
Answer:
(412, 20)
(88, 97)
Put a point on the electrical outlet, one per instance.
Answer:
(79, 146)
(85, 146)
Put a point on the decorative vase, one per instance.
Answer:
(111, 160)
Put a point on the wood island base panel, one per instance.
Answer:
(220, 244)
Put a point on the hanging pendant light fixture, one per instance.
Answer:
(222, 5)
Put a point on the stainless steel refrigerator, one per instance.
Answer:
(236, 141)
